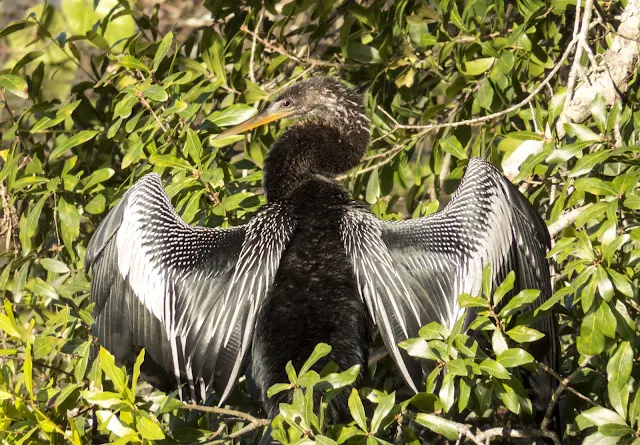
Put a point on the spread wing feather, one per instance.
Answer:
(188, 295)
(411, 272)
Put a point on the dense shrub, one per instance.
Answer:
(94, 99)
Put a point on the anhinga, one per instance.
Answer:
(311, 266)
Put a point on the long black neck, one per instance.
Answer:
(309, 149)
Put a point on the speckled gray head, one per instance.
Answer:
(321, 100)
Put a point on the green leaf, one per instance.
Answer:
(519, 301)
(73, 141)
(97, 205)
(136, 372)
(336, 380)
(34, 215)
(466, 300)
(620, 365)
(113, 373)
(83, 360)
(587, 163)
(232, 115)
(291, 372)
(193, 146)
(514, 357)
(15, 27)
(103, 399)
(477, 66)
(362, 53)
(132, 63)
(438, 425)
(594, 211)
(615, 430)
(457, 367)
(320, 351)
(54, 266)
(433, 331)
(598, 110)
(447, 392)
(46, 122)
(591, 339)
(163, 48)
(149, 429)
(605, 320)
(373, 187)
(487, 279)
(621, 282)
(278, 388)
(109, 421)
(598, 416)
(170, 161)
(357, 410)
(595, 186)
(495, 369)
(417, 347)
(525, 136)
(582, 132)
(523, 334)
(27, 369)
(65, 393)
(504, 287)
(156, 93)
(15, 85)
(69, 223)
(42, 288)
(452, 146)
(323, 440)
(385, 405)
(97, 177)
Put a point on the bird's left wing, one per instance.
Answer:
(188, 295)
(411, 272)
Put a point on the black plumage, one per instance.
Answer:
(311, 266)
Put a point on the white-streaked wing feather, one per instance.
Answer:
(194, 291)
(411, 272)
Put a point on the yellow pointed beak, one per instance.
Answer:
(256, 121)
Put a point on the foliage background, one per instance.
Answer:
(93, 96)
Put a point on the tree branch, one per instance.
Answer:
(610, 78)
(488, 117)
(254, 422)
(304, 60)
(565, 220)
(556, 395)
(252, 74)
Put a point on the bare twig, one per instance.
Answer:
(484, 437)
(12, 120)
(571, 82)
(565, 220)
(481, 119)
(616, 65)
(556, 395)
(222, 411)
(252, 74)
(254, 422)
(304, 60)
(568, 388)
(244, 430)
(487, 435)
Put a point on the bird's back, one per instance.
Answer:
(313, 298)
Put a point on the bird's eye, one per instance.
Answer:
(285, 103)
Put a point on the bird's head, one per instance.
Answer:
(318, 100)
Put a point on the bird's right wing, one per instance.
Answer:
(412, 272)
(188, 295)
